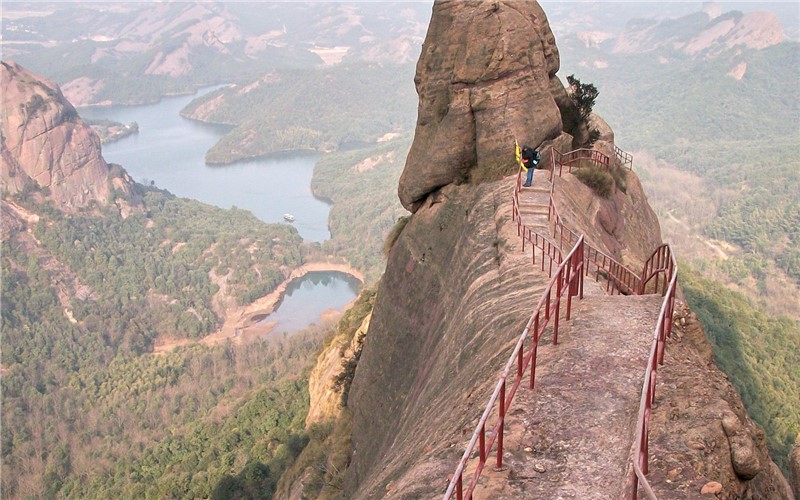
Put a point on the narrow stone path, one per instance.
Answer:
(571, 436)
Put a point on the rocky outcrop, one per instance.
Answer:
(700, 434)
(458, 289)
(448, 302)
(48, 147)
(623, 225)
(324, 397)
(794, 468)
(486, 76)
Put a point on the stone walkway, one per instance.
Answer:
(571, 436)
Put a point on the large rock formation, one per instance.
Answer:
(458, 289)
(48, 147)
(486, 76)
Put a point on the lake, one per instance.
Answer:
(170, 150)
(309, 296)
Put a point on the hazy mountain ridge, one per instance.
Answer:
(309, 109)
(701, 34)
(104, 53)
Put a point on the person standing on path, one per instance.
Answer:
(530, 158)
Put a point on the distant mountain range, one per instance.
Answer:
(135, 52)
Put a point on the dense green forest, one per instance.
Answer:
(87, 412)
(319, 109)
(362, 185)
(759, 353)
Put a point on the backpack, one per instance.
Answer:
(537, 157)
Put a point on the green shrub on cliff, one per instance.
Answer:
(597, 178)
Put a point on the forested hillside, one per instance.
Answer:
(759, 353)
(738, 135)
(362, 185)
(320, 110)
(86, 411)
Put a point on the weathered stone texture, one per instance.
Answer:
(699, 429)
(485, 77)
(45, 142)
(794, 468)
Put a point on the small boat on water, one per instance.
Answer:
(288, 217)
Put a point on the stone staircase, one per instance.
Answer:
(534, 202)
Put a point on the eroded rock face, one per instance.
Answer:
(794, 468)
(46, 143)
(699, 429)
(485, 77)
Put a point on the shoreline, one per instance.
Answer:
(239, 326)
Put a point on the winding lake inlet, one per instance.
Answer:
(170, 151)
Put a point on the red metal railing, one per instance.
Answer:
(576, 159)
(619, 279)
(568, 279)
(624, 158)
(550, 252)
(653, 267)
(569, 275)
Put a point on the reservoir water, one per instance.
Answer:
(170, 151)
(308, 297)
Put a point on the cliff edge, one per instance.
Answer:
(459, 289)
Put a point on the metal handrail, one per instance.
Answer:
(570, 158)
(577, 263)
(662, 332)
(547, 247)
(568, 279)
(624, 158)
(618, 277)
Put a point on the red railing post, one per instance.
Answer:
(535, 349)
(502, 424)
(483, 443)
(557, 304)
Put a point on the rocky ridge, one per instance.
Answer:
(712, 33)
(458, 289)
(48, 147)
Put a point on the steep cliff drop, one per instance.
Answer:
(47, 149)
(459, 289)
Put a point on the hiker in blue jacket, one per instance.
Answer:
(530, 158)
